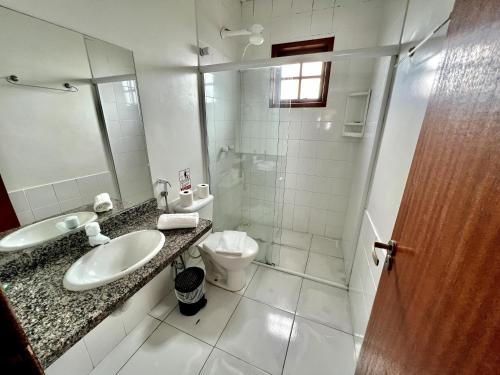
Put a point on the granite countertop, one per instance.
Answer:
(54, 318)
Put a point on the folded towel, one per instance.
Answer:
(231, 243)
(177, 221)
(102, 203)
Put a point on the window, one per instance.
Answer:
(302, 84)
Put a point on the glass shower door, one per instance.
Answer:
(244, 156)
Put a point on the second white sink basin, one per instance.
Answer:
(42, 231)
(110, 262)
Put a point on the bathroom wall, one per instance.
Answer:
(410, 94)
(212, 15)
(162, 35)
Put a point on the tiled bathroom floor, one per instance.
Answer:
(310, 254)
(300, 252)
(280, 324)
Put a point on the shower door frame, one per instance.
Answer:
(392, 51)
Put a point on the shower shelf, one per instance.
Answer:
(356, 109)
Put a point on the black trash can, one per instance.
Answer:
(190, 290)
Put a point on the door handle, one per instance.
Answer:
(390, 247)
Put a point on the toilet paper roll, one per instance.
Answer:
(186, 198)
(202, 190)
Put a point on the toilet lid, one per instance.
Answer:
(212, 241)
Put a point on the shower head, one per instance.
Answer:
(254, 33)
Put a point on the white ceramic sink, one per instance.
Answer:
(112, 261)
(42, 231)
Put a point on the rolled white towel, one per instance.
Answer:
(178, 221)
(102, 203)
(231, 243)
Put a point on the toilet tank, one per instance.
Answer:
(204, 207)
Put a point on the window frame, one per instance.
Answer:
(301, 48)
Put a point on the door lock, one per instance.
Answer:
(390, 247)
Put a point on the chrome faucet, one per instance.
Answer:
(93, 232)
(164, 192)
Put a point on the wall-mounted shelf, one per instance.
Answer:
(356, 109)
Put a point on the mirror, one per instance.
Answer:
(70, 124)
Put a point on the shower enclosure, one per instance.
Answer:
(295, 179)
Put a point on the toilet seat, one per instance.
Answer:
(212, 241)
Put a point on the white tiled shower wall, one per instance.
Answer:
(314, 160)
(355, 23)
(39, 202)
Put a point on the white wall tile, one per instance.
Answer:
(104, 338)
(89, 187)
(66, 190)
(282, 7)
(41, 196)
(71, 204)
(323, 4)
(45, 212)
(75, 361)
(263, 9)
(322, 22)
(19, 201)
(145, 299)
(302, 5)
(25, 217)
(127, 347)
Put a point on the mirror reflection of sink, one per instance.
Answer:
(43, 231)
(114, 260)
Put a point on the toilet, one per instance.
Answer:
(224, 270)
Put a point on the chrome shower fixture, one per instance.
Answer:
(254, 34)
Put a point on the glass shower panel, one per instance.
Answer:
(244, 149)
(222, 103)
(261, 150)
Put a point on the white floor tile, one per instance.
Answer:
(249, 272)
(208, 323)
(296, 239)
(325, 304)
(164, 307)
(168, 350)
(319, 350)
(326, 267)
(258, 334)
(290, 258)
(222, 363)
(126, 348)
(327, 246)
(275, 288)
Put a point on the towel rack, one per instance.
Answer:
(414, 49)
(13, 79)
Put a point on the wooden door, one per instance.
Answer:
(7, 214)
(437, 311)
(16, 354)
